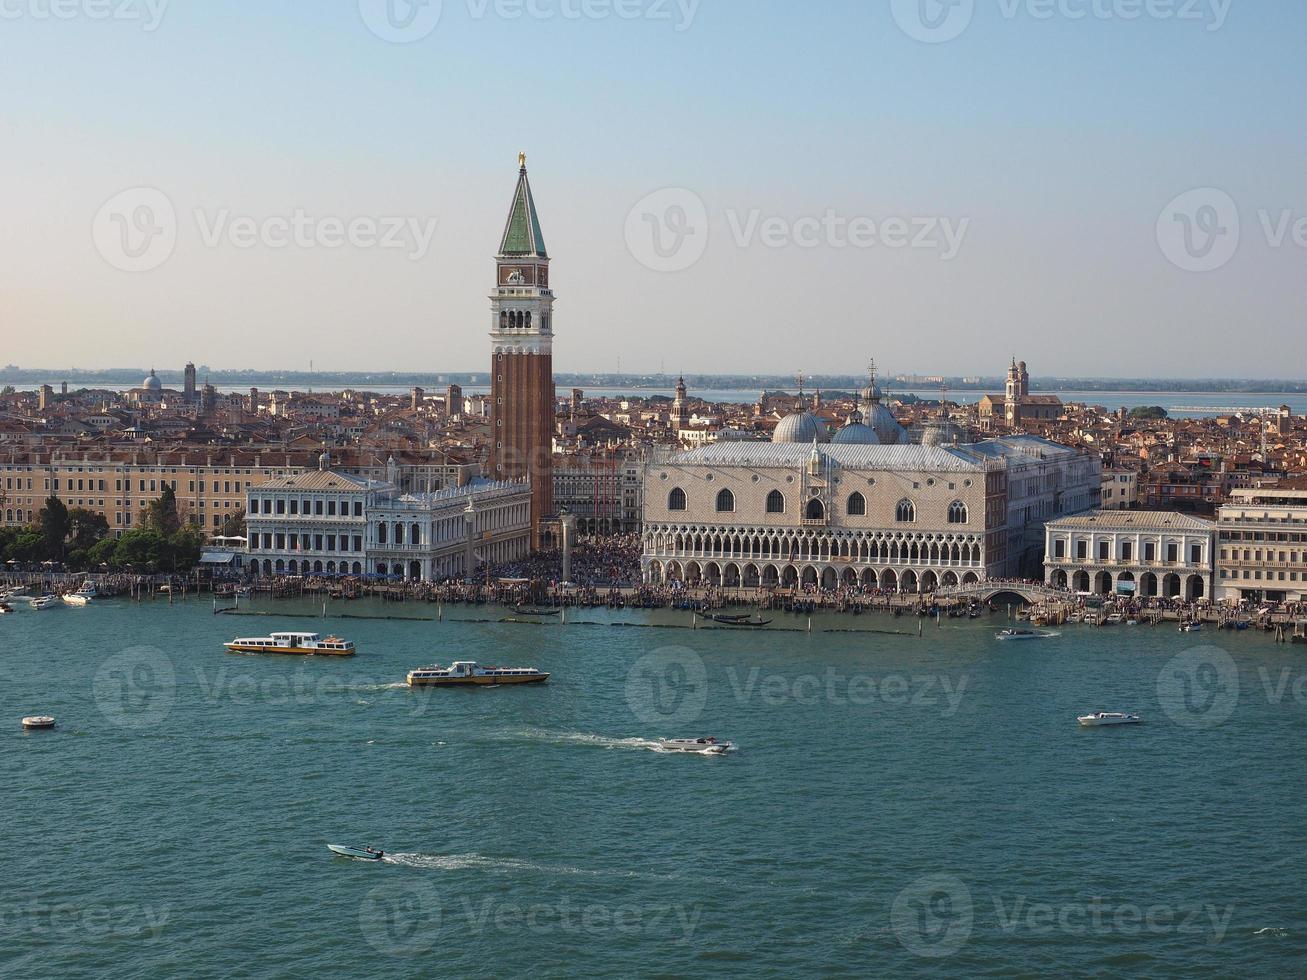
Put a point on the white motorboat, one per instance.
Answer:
(700, 746)
(1023, 634)
(1102, 718)
(45, 602)
(1194, 627)
(77, 599)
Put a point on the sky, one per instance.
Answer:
(1099, 187)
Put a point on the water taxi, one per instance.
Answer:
(1101, 718)
(468, 674)
(1193, 626)
(76, 599)
(1023, 634)
(44, 602)
(357, 853)
(700, 746)
(294, 644)
(38, 723)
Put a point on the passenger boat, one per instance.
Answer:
(38, 723)
(357, 853)
(700, 746)
(294, 644)
(537, 612)
(1102, 718)
(470, 674)
(1021, 634)
(45, 602)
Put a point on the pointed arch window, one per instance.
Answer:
(676, 499)
(957, 512)
(906, 512)
(857, 505)
(815, 511)
(726, 502)
(776, 502)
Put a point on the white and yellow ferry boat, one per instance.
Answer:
(469, 674)
(294, 644)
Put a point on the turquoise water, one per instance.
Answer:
(898, 805)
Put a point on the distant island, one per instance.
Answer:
(334, 381)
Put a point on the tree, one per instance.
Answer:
(233, 526)
(161, 516)
(1149, 413)
(54, 526)
(86, 528)
(102, 553)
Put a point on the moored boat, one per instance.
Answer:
(468, 673)
(294, 644)
(1104, 718)
(357, 853)
(45, 602)
(699, 746)
(1191, 627)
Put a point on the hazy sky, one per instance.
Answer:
(937, 186)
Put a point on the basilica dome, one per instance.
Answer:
(856, 433)
(152, 383)
(800, 427)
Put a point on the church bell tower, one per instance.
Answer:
(522, 362)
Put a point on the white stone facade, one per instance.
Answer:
(327, 523)
(904, 518)
(1142, 553)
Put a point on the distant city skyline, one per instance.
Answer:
(900, 190)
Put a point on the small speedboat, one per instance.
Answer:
(1194, 627)
(357, 853)
(38, 723)
(1102, 718)
(76, 599)
(700, 746)
(45, 602)
(5, 609)
(1022, 634)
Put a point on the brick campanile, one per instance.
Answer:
(522, 357)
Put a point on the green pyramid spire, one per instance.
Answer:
(522, 236)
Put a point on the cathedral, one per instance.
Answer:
(522, 363)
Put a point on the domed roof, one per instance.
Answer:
(799, 427)
(856, 433)
(152, 382)
(940, 434)
(886, 426)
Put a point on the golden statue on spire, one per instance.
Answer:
(521, 160)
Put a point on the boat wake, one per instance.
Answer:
(1272, 932)
(493, 865)
(582, 738)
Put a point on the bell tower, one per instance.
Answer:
(522, 363)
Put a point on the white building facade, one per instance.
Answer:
(1137, 553)
(328, 523)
